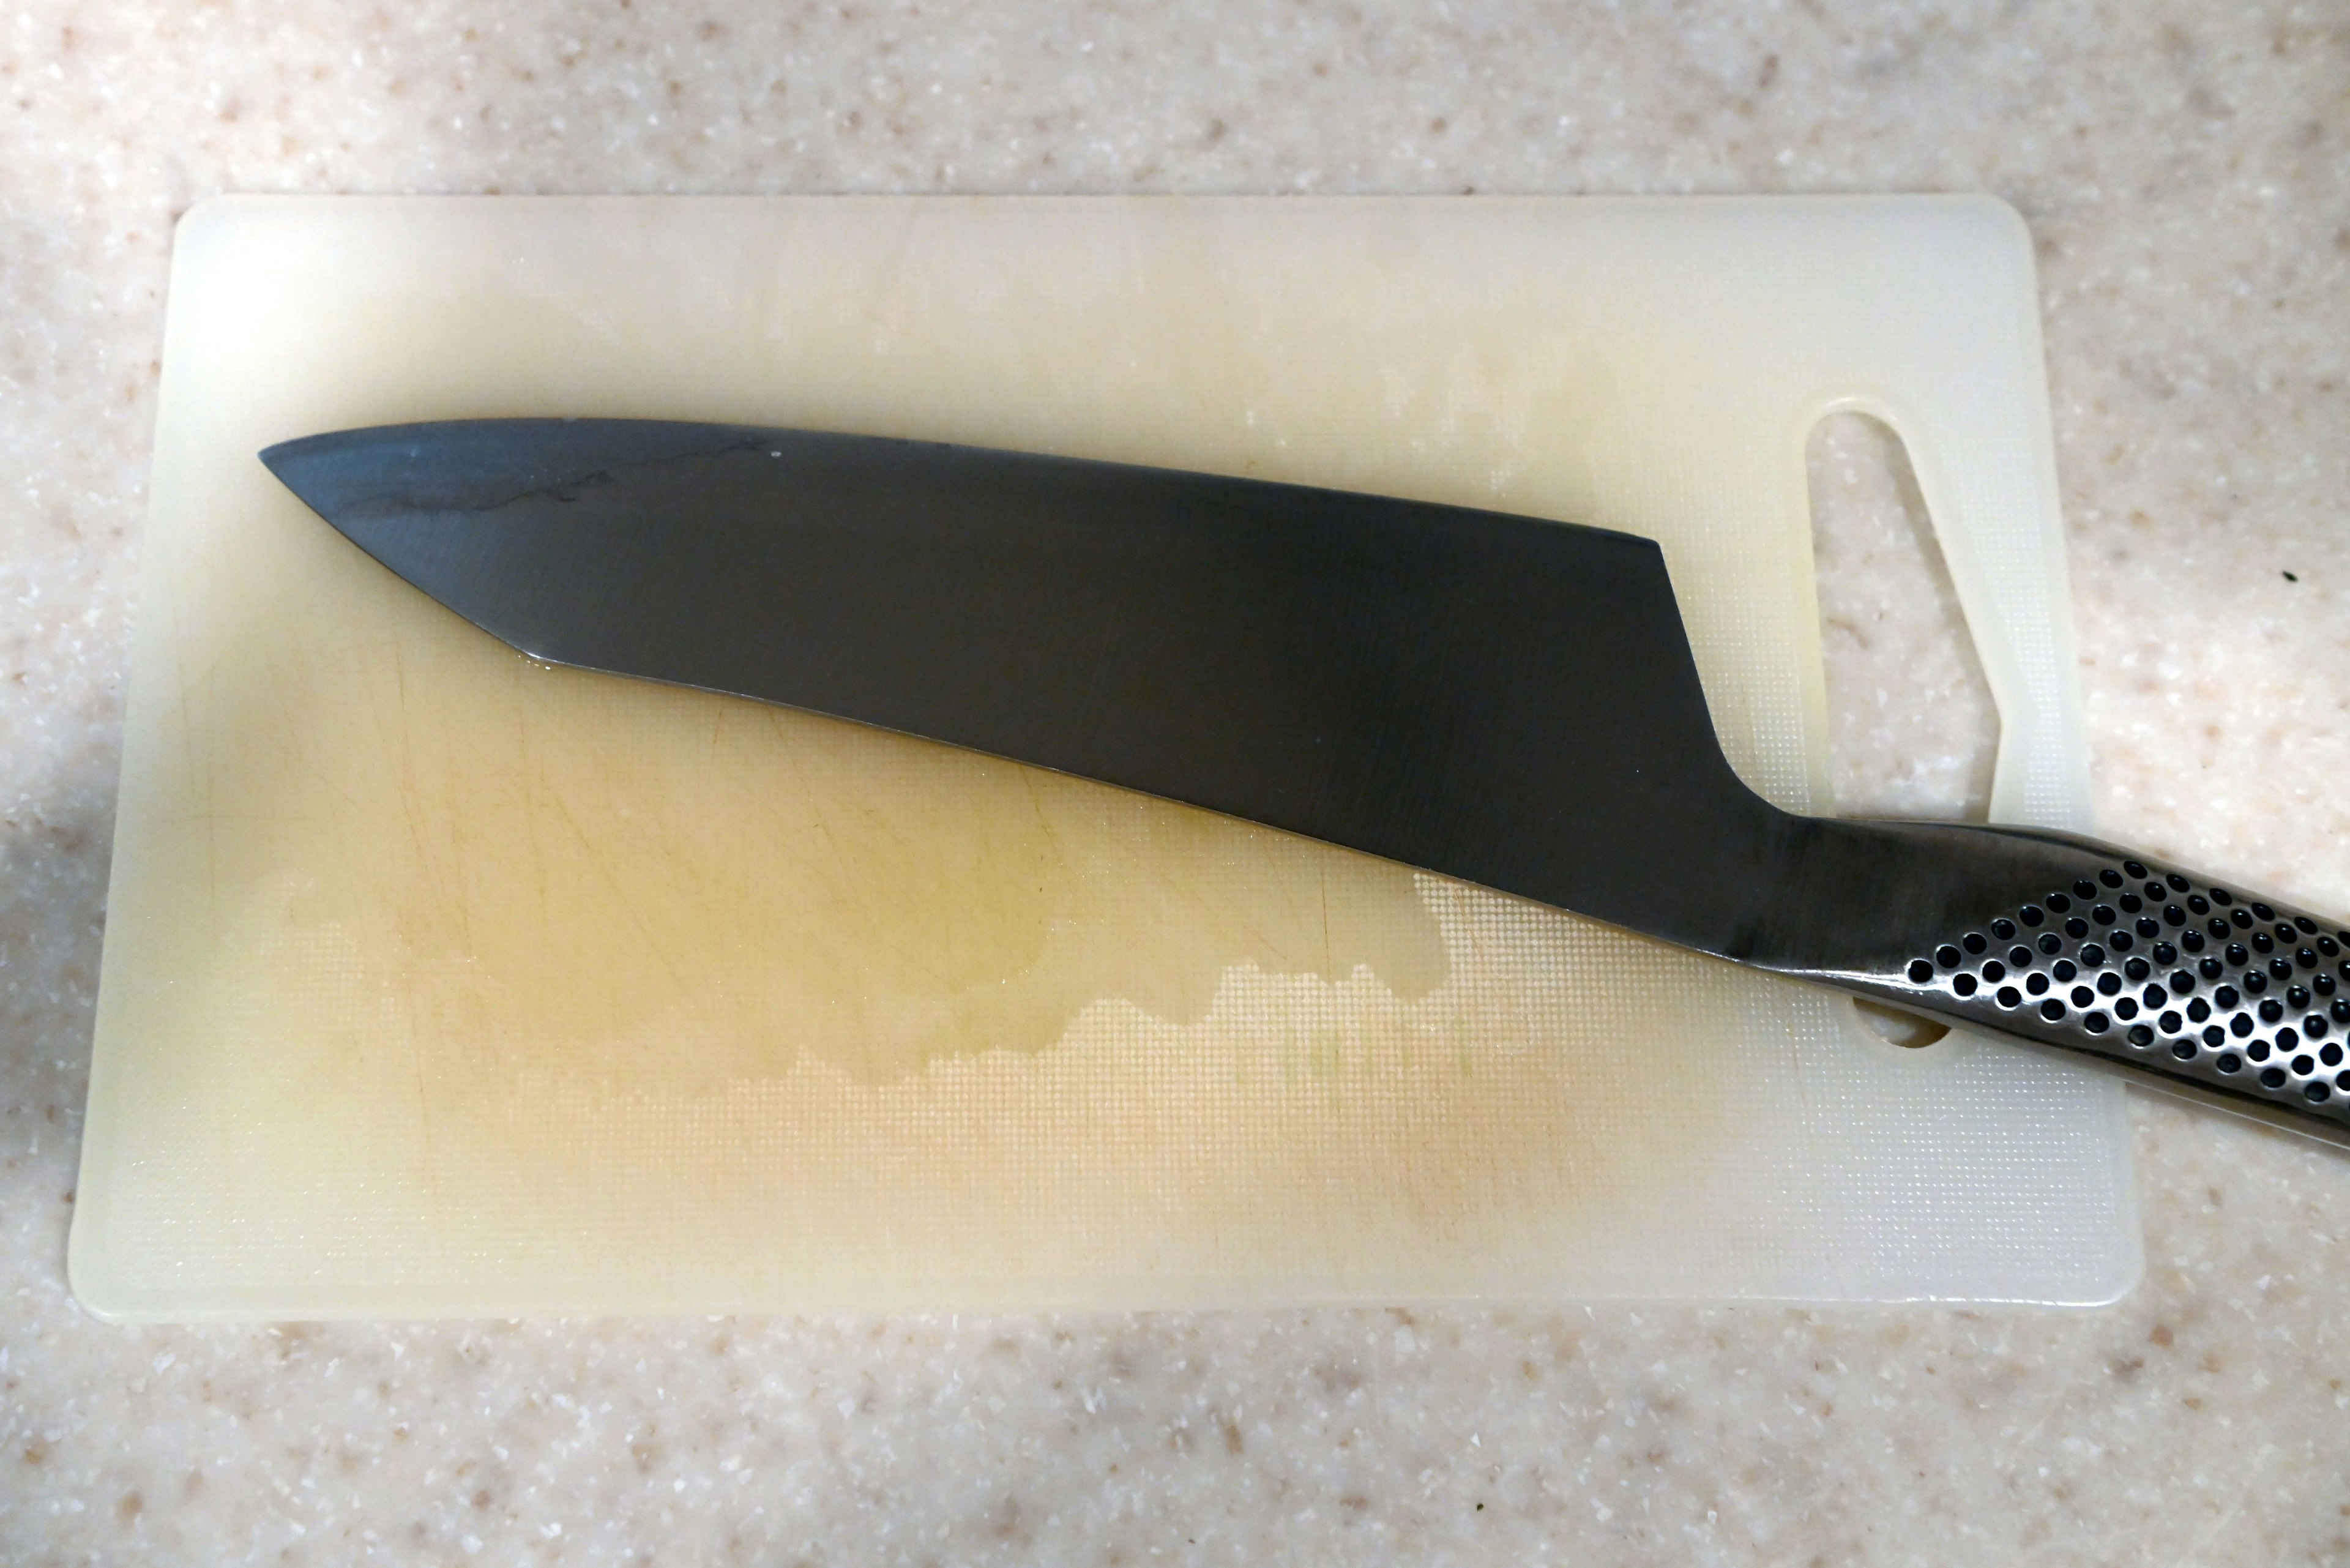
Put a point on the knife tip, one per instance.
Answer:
(334, 471)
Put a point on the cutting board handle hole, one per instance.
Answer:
(1907, 1030)
(1912, 727)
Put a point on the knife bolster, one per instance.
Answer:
(2188, 983)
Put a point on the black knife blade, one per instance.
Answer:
(1504, 700)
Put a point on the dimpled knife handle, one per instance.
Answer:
(2192, 985)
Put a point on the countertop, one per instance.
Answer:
(2184, 173)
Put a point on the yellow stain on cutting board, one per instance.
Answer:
(548, 959)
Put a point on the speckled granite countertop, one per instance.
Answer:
(2185, 171)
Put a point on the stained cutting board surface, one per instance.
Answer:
(438, 982)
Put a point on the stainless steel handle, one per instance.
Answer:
(2188, 983)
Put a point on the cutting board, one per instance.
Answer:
(438, 982)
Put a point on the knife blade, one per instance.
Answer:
(1507, 700)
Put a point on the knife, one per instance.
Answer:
(1502, 700)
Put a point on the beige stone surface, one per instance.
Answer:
(2184, 169)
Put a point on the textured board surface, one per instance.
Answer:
(437, 981)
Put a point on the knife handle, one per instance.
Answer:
(2186, 983)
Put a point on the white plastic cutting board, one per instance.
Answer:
(437, 981)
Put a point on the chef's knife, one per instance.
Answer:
(1498, 699)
